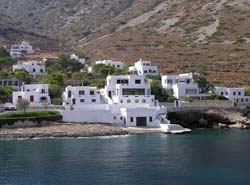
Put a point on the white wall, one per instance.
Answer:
(97, 116)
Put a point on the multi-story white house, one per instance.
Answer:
(236, 95)
(81, 95)
(75, 57)
(34, 68)
(144, 68)
(125, 100)
(17, 50)
(37, 94)
(116, 64)
(128, 90)
(182, 86)
(10, 82)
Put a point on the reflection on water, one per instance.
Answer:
(203, 157)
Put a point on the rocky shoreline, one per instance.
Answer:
(61, 130)
(213, 118)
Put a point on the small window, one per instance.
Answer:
(239, 93)
(136, 101)
(150, 119)
(93, 100)
(188, 81)
(242, 100)
(92, 92)
(131, 119)
(121, 118)
(137, 81)
(82, 100)
(43, 91)
(221, 93)
(143, 101)
(121, 101)
(234, 93)
(81, 92)
(34, 70)
(247, 100)
(41, 70)
(114, 117)
(128, 101)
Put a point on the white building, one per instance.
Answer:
(144, 68)
(37, 94)
(81, 95)
(17, 50)
(125, 100)
(75, 57)
(182, 86)
(116, 64)
(237, 95)
(34, 68)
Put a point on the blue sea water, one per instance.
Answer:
(205, 157)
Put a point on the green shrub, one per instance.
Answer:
(10, 119)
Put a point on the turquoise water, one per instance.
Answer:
(204, 157)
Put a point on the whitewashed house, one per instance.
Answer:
(75, 57)
(144, 68)
(81, 95)
(37, 94)
(17, 50)
(116, 64)
(125, 100)
(34, 68)
(10, 82)
(182, 86)
(234, 94)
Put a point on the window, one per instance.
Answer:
(137, 81)
(43, 91)
(82, 100)
(93, 100)
(133, 91)
(143, 101)
(69, 94)
(136, 101)
(10, 83)
(239, 93)
(234, 93)
(169, 81)
(150, 119)
(247, 100)
(121, 101)
(221, 93)
(122, 81)
(41, 70)
(145, 71)
(34, 70)
(121, 118)
(92, 92)
(131, 119)
(242, 100)
(188, 81)
(81, 92)
(128, 101)
(114, 117)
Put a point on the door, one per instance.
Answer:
(31, 98)
(141, 121)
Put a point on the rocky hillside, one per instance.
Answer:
(11, 32)
(178, 35)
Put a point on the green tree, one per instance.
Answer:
(55, 79)
(77, 76)
(102, 71)
(22, 75)
(23, 104)
(4, 52)
(160, 93)
(5, 94)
